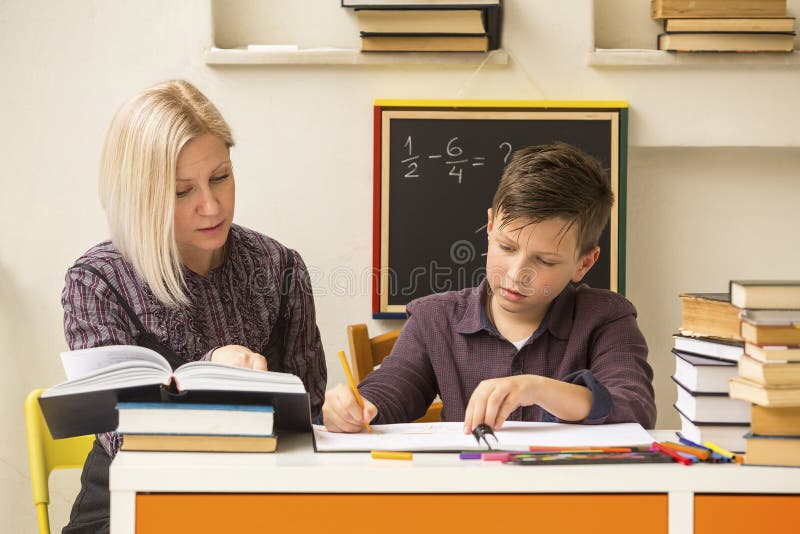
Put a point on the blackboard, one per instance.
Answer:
(436, 170)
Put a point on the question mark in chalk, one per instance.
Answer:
(508, 147)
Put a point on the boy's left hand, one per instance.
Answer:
(494, 400)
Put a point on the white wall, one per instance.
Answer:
(700, 211)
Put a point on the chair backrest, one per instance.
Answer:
(46, 454)
(366, 353)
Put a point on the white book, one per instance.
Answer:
(729, 437)
(702, 374)
(195, 419)
(712, 347)
(712, 407)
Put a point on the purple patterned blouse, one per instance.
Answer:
(236, 303)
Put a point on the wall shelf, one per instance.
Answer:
(338, 56)
(623, 58)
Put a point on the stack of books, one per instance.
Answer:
(428, 25)
(177, 426)
(706, 350)
(769, 372)
(724, 25)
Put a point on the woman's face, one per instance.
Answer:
(204, 205)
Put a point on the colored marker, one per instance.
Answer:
(669, 452)
(537, 448)
(719, 450)
(496, 456)
(391, 455)
(697, 452)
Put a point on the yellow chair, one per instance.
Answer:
(366, 353)
(46, 454)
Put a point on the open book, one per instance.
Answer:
(100, 377)
(514, 436)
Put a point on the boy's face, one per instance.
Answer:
(529, 264)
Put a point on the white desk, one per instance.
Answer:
(212, 492)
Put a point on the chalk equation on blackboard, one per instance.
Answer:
(453, 157)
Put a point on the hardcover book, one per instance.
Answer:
(202, 443)
(765, 294)
(418, 4)
(660, 9)
(726, 42)
(729, 436)
(191, 418)
(752, 25)
(772, 396)
(723, 349)
(413, 21)
(770, 374)
(700, 374)
(711, 407)
(770, 332)
(772, 450)
(775, 421)
(709, 314)
(773, 353)
(424, 43)
(101, 377)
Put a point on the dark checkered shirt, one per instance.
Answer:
(448, 346)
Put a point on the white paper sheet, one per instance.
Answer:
(514, 435)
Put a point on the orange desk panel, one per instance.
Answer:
(747, 514)
(400, 513)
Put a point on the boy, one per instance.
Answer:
(524, 345)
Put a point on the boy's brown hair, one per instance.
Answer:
(548, 181)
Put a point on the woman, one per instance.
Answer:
(178, 276)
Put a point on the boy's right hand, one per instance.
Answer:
(341, 412)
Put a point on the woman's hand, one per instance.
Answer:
(239, 356)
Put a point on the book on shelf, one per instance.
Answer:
(726, 42)
(198, 443)
(660, 9)
(772, 373)
(771, 327)
(772, 450)
(744, 25)
(418, 4)
(729, 436)
(769, 421)
(101, 377)
(711, 407)
(416, 21)
(701, 374)
(765, 294)
(426, 43)
(709, 315)
(723, 349)
(772, 396)
(773, 353)
(194, 418)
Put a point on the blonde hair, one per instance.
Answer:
(137, 178)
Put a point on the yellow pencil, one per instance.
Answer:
(352, 383)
